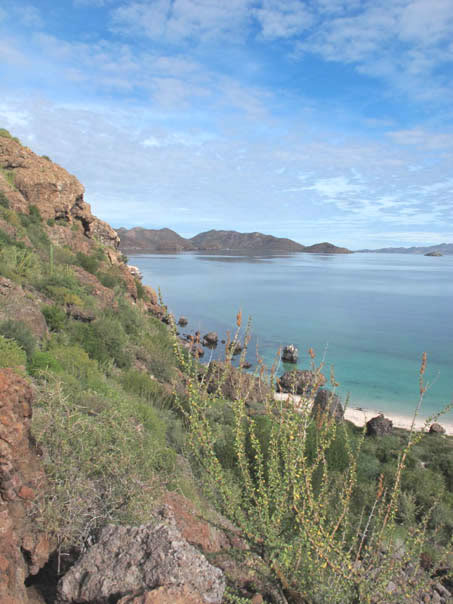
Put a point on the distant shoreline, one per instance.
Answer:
(359, 416)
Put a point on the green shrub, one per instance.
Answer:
(51, 222)
(141, 293)
(6, 134)
(4, 202)
(43, 361)
(76, 363)
(8, 173)
(46, 157)
(75, 227)
(146, 388)
(108, 280)
(11, 354)
(88, 263)
(55, 317)
(35, 214)
(104, 340)
(20, 332)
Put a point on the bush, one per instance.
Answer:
(43, 361)
(55, 317)
(139, 383)
(104, 340)
(88, 263)
(11, 354)
(18, 331)
(4, 202)
(51, 222)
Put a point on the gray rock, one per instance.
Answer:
(326, 402)
(436, 429)
(210, 339)
(379, 426)
(290, 354)
(300, 381)
(131, 560)
(183, 321)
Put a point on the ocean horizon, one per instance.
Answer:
(369, 316)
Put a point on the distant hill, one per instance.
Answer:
(326, 248)
(443, 248)
(152, 240)
(139, 240)
(232, 240)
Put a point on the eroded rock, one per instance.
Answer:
(131, 561)
(23, 549)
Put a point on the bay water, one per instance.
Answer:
(369, 316)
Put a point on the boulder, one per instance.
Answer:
(436, 429)
(379, 426)
(234, 384)
(210, 339)
(300, 381)
(183, 321)
(128, 562)
(290, 354)
(328, 403)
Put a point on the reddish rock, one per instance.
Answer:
(56, 193)
(23, 549)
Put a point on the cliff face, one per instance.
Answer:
(28, 179)
(23, 550)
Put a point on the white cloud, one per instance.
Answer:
(422, 138)
(182, 19)
(283, 19)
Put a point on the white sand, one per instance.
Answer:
(359, 417)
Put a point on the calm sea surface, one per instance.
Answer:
(371, 315)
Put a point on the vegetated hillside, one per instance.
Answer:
(104, 417)
(444, 248)
(139, 239)
(326, 248)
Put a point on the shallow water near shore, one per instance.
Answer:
(370, 315)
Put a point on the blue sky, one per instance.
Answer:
(316, 120)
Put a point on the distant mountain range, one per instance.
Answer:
(139, 240)
(443, 248)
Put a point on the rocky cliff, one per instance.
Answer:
(28, 179)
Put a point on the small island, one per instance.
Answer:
(434, 253)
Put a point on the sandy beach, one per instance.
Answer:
(359, 416)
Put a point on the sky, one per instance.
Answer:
(318, 120)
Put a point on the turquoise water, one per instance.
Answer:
(371, 315)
